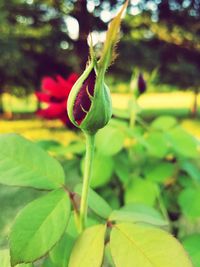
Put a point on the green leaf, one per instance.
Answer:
(5, 259)
(134, 245)
(109, 140)
(118, 123)
(25, 265)
(95, 202)
(39, 226)
(156, 144)
(122, 167)
(112, 36)
(72, 148)
(189, 200)
(143, 210)
(48, 263)
(48, 144)
(136, 192)
(192, 169)
(72, 224)
(102, 170)
(60, 254)
(89, 248)
(185, 181)
(111, 196)
(71, 227)
(72, 172)
(161, 172)
(23, 163)
(136, 217)
(192, 244)
(183, 143)
(121, 113)
(164, 123)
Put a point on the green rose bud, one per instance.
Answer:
(89, 103)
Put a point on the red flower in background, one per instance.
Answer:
(55, 93)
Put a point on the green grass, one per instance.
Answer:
(177, 104)
(149, 101)
(153, 104)
(37, 129)
(19, 105)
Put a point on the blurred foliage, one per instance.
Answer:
(30, 43)
(36, 40)
(152, 165)
(165, 37)
(140, 164)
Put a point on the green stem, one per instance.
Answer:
(133, 111)
(86, 179)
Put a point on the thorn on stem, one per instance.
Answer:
(109, 224)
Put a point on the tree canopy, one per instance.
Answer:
(48, 37)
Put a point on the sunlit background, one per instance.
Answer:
(160, 39)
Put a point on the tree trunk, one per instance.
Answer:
(84, 17)
(1, 102)
(194, 110)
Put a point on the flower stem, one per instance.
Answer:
(86, 179)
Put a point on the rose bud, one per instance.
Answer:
(89, 103)
(141, 84)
